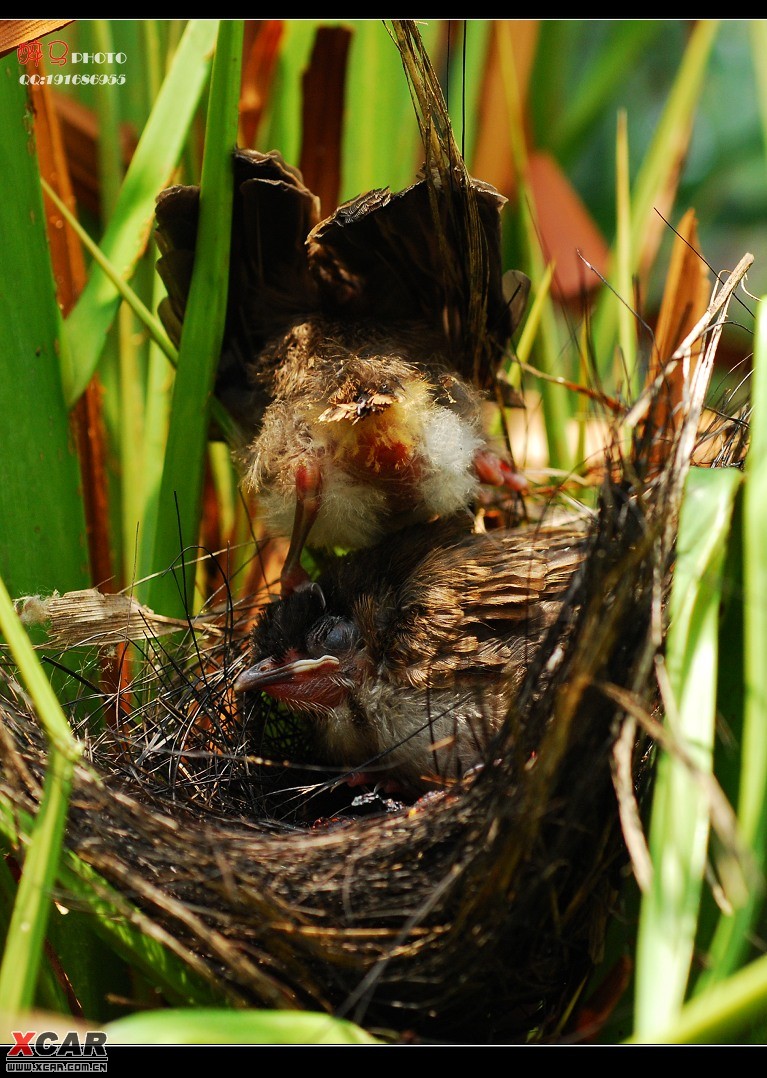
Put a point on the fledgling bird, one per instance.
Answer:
(358, 349)
(406, 658)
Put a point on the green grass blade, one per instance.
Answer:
(731, 939)
(107, 104)
(149, 321)
(623, 261)
(464, 86)
(725, 1014)
(23, 951)
(681, 808)
(132, 936)
(152, 324)
(46, 704)
(677, 117)
(234, 1027)
(281, 126)
(541, 297)
(42, 522)
(381, 142)
(548, 355)
(156, 156)
(95, 975)
(50, 994)
(26, 934)
(159, 396)
(201, 339)
(655, 175)
(758, 33)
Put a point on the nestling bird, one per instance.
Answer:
(406, 658)
(357, 350)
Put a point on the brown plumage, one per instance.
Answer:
(357, 350)
(406, 658)
(353, 356)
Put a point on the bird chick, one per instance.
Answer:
(357, 350)
(360, 439)
(406, 658)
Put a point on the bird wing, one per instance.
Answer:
(480, 310)
(472, 605)
(401, 258)
(270, 286)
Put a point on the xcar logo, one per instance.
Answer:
(34, 1051)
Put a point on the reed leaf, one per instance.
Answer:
(124, 240)
(681, 804)
(556, 410)
(178, 517)
(724, 1015)
(42, 522)
(655, 183)
(730, 944)
(26, 932)
(235, 1027)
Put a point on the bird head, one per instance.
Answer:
(304, 656)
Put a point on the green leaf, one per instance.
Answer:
(122, 927)
(180, 500)
(731, 941)
(565, 122)
(42, 523)
(156, 156)
(23, 951)
(656, 175)
(725, 1014)
(234, 1027)
(681, 803)
(26, 934)
(381, 143)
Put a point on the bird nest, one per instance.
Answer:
(473, 914)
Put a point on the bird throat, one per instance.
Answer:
(380, 449)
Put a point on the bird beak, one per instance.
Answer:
(268, 674)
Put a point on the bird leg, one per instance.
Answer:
(497, 472)
(308, 500)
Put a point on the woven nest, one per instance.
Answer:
(473, 915)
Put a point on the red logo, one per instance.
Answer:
(21, 1045)
(31, 52)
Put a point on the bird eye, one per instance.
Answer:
(332, 636)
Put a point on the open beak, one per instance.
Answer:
(269, 675)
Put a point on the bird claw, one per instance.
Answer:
(497, 472)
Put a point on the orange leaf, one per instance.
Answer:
(322, 115)
(261, 49)
(566, 227)
(685, 298)
(685, 295)
(493, 158)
